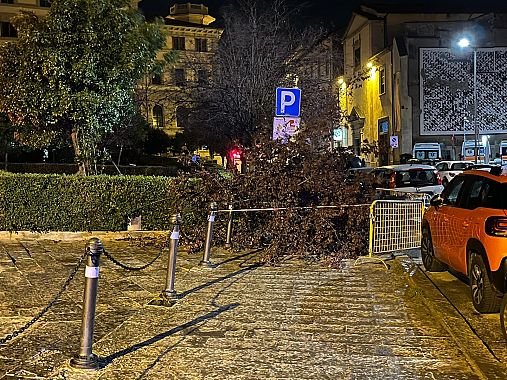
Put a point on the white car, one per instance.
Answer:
(409, 178)
(450, 169)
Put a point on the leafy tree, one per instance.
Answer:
(72, 74)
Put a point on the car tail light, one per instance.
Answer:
(439, 179)
(496, 226)
(392, 181)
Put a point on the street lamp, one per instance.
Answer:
(465, 43)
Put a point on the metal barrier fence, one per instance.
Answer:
(395, 225)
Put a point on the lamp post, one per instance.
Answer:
(464, 43)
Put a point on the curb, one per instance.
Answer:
(78, 236)
(475, 351)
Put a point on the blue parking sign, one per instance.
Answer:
(288, 102)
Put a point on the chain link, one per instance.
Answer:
(128, 267)
(49, 306)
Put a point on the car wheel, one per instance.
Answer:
(484, 296)
(503, 310)
(429, 260)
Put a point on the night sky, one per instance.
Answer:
(327, 12)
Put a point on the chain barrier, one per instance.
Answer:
(128, 267)
(49, 306)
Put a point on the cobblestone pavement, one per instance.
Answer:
(236, 321)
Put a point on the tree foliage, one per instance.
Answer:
(259, 51)
(294, 179)
(71, 75)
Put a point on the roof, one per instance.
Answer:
(173, 22)
(407, 167)
(502, 178)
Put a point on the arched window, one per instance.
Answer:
(158, 116)
(182, 117)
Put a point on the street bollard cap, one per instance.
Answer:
(95, 246)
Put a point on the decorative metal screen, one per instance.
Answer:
(446, 91)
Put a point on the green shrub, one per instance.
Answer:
(51, 168)
(39, 202)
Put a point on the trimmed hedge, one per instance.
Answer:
(50, 168)
(41, 202)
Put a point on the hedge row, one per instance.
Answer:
(50, 168)
(39, 202)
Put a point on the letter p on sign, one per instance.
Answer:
(288, 101)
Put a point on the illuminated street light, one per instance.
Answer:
(465, 43)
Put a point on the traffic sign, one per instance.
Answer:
(288, 101)
(285, 127)
(393, 141)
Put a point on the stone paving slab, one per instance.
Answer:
(237, 321)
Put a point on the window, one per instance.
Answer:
(45, 3)
(182, 117)
(7, 1)
(7, 30)
(179, 77)
(460, 166)
(415, 177)
(158, 116)
(202, 76)
(452, 191)
(201, 44)
(475, 194)
(382, 81)
(442, 166)
(179, 43)
(357, 54)
(156, 79)
(493, 195)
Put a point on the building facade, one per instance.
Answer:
(406, 81)
(191, 41)
(10, 8)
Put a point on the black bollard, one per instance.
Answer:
(86, 359)
(209, 236)
(169, 291)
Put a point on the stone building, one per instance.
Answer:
(405, 77)
(10, 8)
(166, 96)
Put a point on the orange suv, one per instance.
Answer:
(465, 229)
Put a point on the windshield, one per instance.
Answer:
(416, 178)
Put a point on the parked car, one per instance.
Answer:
(354, 174)
(465, 229)
(485, 167)
(450, 169)
(409, 178)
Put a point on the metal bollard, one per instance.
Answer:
(169, 291)
(86, 359)
(209, 236)
(229, 229)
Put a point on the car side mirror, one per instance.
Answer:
(437, 201)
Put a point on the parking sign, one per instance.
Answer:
(288, 102)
